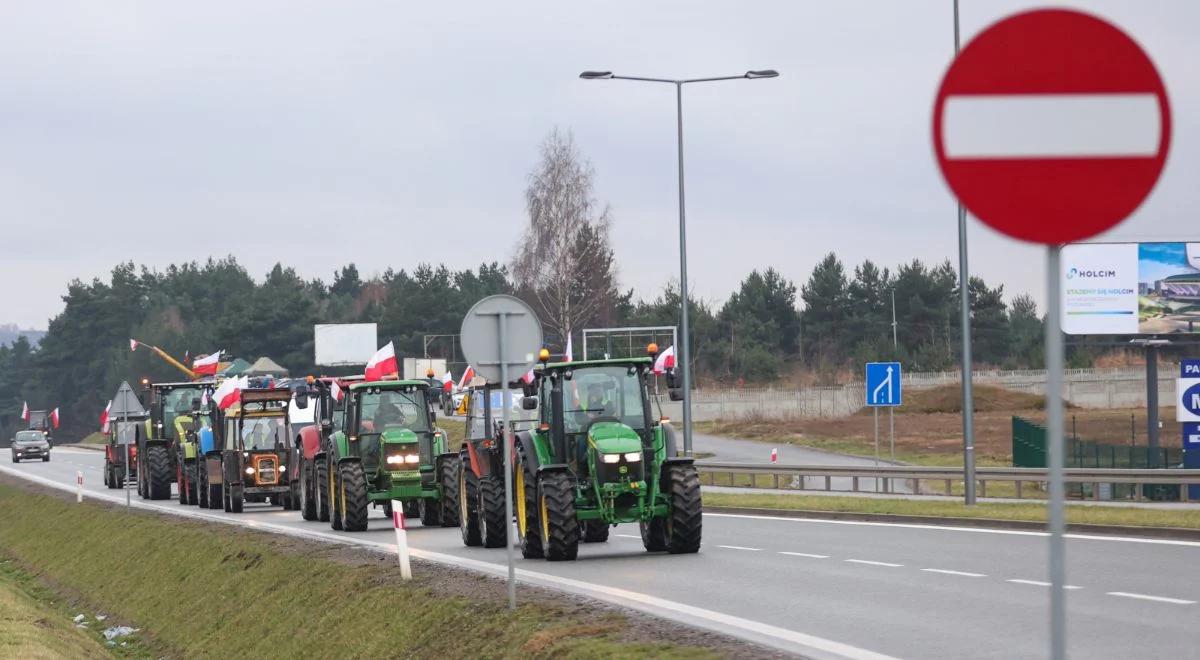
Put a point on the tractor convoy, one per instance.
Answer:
(587, 454)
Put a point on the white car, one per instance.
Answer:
(30, 444)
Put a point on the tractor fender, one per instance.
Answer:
(679, 460)
(524, 441)
(309, 442)
(551, 468)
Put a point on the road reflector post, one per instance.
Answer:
(78, 487)
(401, 539)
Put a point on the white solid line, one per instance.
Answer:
(803, 554)
(1007, 126)
(1039, 583)
(952, 528)
(873, 563)
(629, 536)
(739, 547)
(944, 571)
(1157, 599)
(783, 639)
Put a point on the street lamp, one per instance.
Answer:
(685, 352)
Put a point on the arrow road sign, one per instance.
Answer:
(883, 384)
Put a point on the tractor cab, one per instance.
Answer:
(257, 440)
(388, 425)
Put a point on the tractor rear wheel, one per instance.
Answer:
(308, 503)
(525, 498)
(158, 473)
(684, 523)
(201, 484)
(492, 525)
(352, 498)
(431, 513)
(468, 504)
(595, 531)
(560, 527)
(214, 490)
(237, 499)
(321, 478)
(448, 503)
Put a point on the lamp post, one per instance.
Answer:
(685, 353)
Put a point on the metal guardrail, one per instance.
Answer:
(949, 475)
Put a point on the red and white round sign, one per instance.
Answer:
(1052, 126)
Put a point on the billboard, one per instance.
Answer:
(1131, 288)
(344, 344)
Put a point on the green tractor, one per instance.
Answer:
(389, 449)
(165, 453)
(599, 458)
(481, 512)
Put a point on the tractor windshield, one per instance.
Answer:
(611, 392)
(264, 433)
(480, 426)
(178, 405)
(381, 410)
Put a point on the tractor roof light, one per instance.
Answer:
(652, 349)
(544, 355)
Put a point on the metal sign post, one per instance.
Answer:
(500, 333)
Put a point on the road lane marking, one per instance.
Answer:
(784, 639)
(739, 547)
(951, 528)
(945, 571)
(629, 536)
(803, 554)
(1039, 583)
(873, 563)
(1157, 599)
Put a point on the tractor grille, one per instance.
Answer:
(611, 472)
(266, 469)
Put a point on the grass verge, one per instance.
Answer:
(31, 626)
(200, 589)
(1035, 512)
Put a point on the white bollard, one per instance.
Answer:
(774, 455)
(401, 539)
(78, 487)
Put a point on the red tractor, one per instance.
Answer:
(327, 397)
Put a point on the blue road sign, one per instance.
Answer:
(1189, 368)
(1191, 437)
(883, 384)
(1189, 399)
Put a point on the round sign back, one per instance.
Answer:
(481, 337)
(1051, 126)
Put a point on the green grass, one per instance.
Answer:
(96, 438)
(1029, 511)
(239, 593)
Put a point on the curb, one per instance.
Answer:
(1174, 533)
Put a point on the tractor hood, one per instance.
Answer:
(613, 438)
(398, 437)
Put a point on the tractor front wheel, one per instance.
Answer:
(468, 504)
(448, 502)
(492, 524)
(201, 484)
(158, 473)
(560, 527)
(352, 498)
(321, 475)
(308, 503)
(431, 513)
(237, 499)
(684, 523)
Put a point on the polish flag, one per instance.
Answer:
(467, 377)
(665, 361)
(104, 418)
(227, 393)
(528, 377)
(448, 383)
(336, 392)
(25, 411)
(133, 344)
(207, 366)
(569, 355)
(54, 418)
(383, 363)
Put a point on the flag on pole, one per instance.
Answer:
(207, 365)
(382, 364)
(335, 391)
(569, 355)
(447, 383)
(665, 361)
(25, 411)
(104, 418)
(227, 393)
(467, 377)
(528, 377)
(133, 344)
(54, 418)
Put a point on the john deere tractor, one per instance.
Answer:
(481, 514)
(388, 449)
(599, 458)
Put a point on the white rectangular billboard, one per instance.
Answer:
(344, 344)
(1131, 288)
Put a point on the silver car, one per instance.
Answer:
(30, 444)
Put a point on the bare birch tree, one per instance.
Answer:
(564, 263)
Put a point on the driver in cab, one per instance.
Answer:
(388, 414)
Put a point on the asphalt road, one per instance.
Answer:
(830, 588)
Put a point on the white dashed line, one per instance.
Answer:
(873, 563)
(739, 547)
(804, 554)
(944, 571)
(1039, 583)
(1157, 599)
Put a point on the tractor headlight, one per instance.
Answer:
(282, 469)
(395, 459)
(250, 470)
(633, 456)
(610, 458)
(412, 458)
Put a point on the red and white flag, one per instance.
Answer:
(569, 355)
(665, 361)
(54, 418)
(133, 344)
(448, 383)
(528, 377)
(227, 392)
(383, 363)
(336, 391)
(25, 411)
(207, 365)
(467, 377)
(104, 418)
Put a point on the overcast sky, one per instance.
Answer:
(318, 133)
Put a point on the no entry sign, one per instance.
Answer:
(1052, 126)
